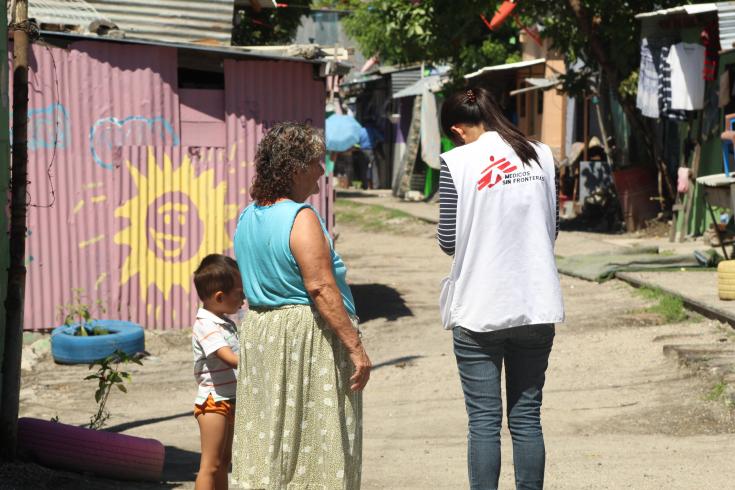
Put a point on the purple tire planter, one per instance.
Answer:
(106, 454)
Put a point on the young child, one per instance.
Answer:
(214, 341)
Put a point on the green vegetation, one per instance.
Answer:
(371, 217)
(717, 391)
(670, 308)
(257, 27)
(79, 312)
(109, 375)
(440, 31)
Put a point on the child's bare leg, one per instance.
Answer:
(213, 429)
(222, 481)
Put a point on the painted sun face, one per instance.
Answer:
(163, 219)
(174, 227)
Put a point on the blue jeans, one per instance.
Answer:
(480, 356)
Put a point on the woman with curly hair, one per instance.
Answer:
(298, 421)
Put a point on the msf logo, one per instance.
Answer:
(494, 173)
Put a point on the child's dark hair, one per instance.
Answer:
(476, 106)
(215, 273)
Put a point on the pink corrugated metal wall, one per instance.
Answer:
(270, 92)
(135, 207)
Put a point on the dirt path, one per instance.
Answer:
(618, 414)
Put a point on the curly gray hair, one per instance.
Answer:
(286, 148)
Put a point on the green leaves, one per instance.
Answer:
(436, 32)
(79, 312)
(109, 375)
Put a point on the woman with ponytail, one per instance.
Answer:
(498, 219)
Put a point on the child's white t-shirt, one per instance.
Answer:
(213, 375)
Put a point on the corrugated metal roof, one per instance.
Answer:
(507, 66)
(726, 16)
(701, 8)
(171, 20)
(401, 79)
(162, 20)
(225, 51)
(434, 83)
(64, 12)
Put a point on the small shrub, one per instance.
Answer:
(80, 312)
(109, 375)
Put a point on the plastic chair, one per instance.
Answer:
(728, 141)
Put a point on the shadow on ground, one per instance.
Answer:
(138, 423)
(354, 193)
(180, 465)
(398, 362)
(379, 301)
(31, 476)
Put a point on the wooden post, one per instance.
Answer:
(18, 212)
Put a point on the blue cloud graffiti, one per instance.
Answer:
(110, 132)
(47, 127)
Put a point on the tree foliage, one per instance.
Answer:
(603, 34)
(439, 31)
(268, 26)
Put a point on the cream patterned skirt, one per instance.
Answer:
(297, 423)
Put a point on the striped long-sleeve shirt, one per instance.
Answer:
(446, 232)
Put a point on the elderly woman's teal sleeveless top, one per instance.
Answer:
(270, 275)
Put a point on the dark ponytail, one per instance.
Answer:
(477, 107)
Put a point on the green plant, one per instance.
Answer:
(108, 376)
(670, 308)
(372, 217)
(717, 391)
(80, 312)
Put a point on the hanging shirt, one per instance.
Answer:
(504, 271)
(647, 97)
(664, 88)
(687, 84)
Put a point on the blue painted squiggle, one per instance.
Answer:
(110, 132)
(47, 127)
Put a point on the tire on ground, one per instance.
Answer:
(67, 348)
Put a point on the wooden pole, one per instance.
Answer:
(18, 213)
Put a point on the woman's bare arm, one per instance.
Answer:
(313, 256)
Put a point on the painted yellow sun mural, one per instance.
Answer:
(175, 220)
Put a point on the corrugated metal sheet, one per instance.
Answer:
(269, 92)
(507, 66)
(726, 16)
(171, 20)
(701, 8)
(64, 12)
(403, 79)
(135, 206)
(86, 104)
(162, 20)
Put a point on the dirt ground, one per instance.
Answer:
(617, 412)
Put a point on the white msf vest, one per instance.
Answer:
(504, 272)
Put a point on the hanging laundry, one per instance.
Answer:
(664, 88)
(687, 85)
(724, 88)
(683, 177)
(711, 41)
(647, 97)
